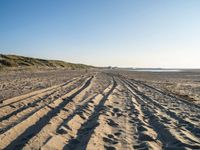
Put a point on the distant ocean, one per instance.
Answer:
(157, 70)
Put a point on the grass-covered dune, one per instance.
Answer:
(21, 61)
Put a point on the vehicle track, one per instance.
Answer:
(36, 121)
(51, 129)
(189, 124)
(99, 111)
(171, 137)
(87, 125)
(30, 98)
(17, 99)
(170, 95)
(32, 105)
(145, 136)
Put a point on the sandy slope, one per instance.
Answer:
(99, 111)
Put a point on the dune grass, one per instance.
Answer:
(21, 61)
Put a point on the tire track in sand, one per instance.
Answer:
(83, 124)
(11, 101)
(115, 131)
(50, 129)
(144, 135)
(170, 95)
(182, 123)
(32, 125)
(169, 136)
(22, 113)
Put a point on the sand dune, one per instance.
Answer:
(99, 110)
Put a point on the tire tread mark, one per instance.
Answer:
(164, 135)
(31, 131)
(3, 130)
(189, 126)
(84, 133)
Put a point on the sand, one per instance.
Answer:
(100, 110)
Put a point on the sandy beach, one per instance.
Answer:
(100, 110)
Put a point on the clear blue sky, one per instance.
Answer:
(128, 33)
